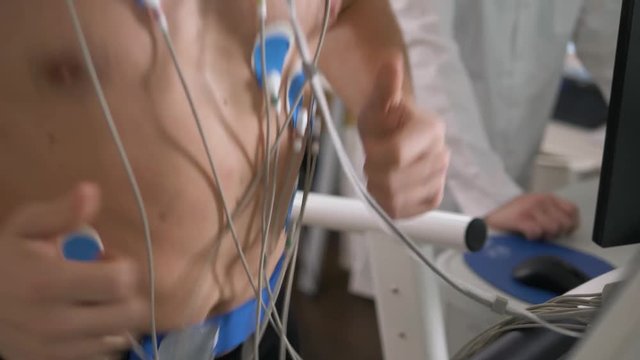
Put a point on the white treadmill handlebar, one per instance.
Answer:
(435, 228)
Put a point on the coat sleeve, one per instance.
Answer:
(595, 36)
(477, 181)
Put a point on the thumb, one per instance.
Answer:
(65, 214)
(382, 112)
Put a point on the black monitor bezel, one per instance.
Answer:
(615, 105)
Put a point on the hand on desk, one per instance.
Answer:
(406, 155)
(536, 216)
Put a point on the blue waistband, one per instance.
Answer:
(234, 328)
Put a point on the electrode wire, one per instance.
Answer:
(122, 153)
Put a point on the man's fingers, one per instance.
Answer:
(82, 348)
(427, 200)
(82, 321)
(88, 348)
(97, 282)
(418, 174)
(410, 192)
(60, 216)
(101, 347)
(570, 210)
(404, 147)
(555, 217)
(530, 229)
(563, 219)
(565, 205)
(536, 216)
(550, 225)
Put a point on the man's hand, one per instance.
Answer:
(406, 156)
(536, 216)
(51, 308)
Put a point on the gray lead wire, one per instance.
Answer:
(564, 311)
(231, 227)
(262, 14)
(309, 176)
(230, 223)
(130, 173)
(290, 261)
(122, 152)
(228, 216)
(311, 167)
(207, 148)
(308, 179)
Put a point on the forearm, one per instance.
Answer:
(364, 35)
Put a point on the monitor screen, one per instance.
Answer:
(618, 210)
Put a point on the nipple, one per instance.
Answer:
(63, 71)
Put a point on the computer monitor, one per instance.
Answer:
(618, 210)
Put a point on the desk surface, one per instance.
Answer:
(584, 195)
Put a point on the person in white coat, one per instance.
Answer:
(491, 69)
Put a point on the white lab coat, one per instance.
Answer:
(491, 70)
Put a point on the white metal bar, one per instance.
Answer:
(408, 304)
(435, 228)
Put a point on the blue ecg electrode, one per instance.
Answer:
(83, 245)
